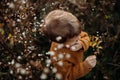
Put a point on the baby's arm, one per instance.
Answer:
(84, 40)
(85, 67)
(90, 62)
(81, 43)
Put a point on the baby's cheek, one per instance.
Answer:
(70, 43)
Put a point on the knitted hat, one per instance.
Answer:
(61, 25)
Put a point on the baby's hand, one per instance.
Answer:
(91, 61)
(77, 46)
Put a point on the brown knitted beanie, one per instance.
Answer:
(61, 25)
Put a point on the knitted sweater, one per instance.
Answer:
(69, 63)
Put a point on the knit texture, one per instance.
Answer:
(73, 66)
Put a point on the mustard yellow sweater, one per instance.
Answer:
(72, 65)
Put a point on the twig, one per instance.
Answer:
(117, 65)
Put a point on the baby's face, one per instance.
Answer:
(71, 41)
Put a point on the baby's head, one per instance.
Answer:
(61, 25)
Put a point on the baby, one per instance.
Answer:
(69, 43)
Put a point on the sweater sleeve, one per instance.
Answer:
(80, 70)
(85, 40)
(52, 48)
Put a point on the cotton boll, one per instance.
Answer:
(9, 63)
(19, 57)
(40, 54)
(11, 5)
(20, 77)
(43, 76)
(60, 46)
(42, 21)
(43, 9)
(54, 70)
(47, 65)
(73, 48)
(18, 20)
(60, 63)
(55, 49)
(11, 71)
(58, 76)
(60, 56)
(23, 1)
(51, 53)
(13, 61)
(27, 68)
(46, 70)
(15, 0)
(22, 71)
(67, 55)
(54, 58)
(58, 38)
(17, 65)
(67, 46)
(48, 61)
